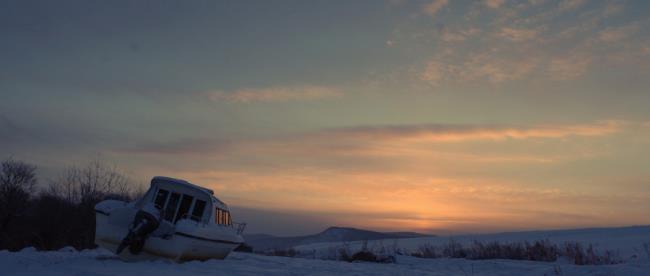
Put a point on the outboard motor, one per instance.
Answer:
(145, 222)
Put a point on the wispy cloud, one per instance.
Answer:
(494, 3)
(614, 8)
(517, 34)
(276, 94)
(569, 67)
(450, 36)
(429, 201)
(615, 34)
(459, 133)
(436, 72)
(186, 146)
(497, 70)
(413, 166)
(546, 45)
(568, 5)
(487, 66)
(352, 138)
(536, 2)
(434, 7)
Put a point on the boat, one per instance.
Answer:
(174, 219)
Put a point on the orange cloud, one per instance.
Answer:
(276, 94)
(494, 3)
(454, 133)
(423, 202)
(435, 6)
(351, 140)
(423, 177)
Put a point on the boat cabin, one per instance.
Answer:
(178, 199)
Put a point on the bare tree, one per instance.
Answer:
(17, 181)
(63, 213)
(89, 184)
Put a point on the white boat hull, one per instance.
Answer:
(179, 246)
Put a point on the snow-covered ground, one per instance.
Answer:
(629, 241)
(626, 241)
(102, 263)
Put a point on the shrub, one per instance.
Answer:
(426, 251)
(244, 248)
(282, 252)
(454, 249)
(646, 248)
(542, 250)
(538, 251)
(364, 255)
(577, 253)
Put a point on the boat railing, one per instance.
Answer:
(240, 227)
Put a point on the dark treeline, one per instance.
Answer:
(57, 213)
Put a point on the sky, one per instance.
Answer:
(440, 116)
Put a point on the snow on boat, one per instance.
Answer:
(174, 219)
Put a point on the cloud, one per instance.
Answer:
(448, 36)
(459, 133)
(438, 173)
(616, 34)
(494, 3)
(568, 5)
(434, 7)
(487, 66)
(185, 146)
(517, 35)
(536, 2)
(276, 94)
(424, 201)
(436, 72)
(376, 140)
(613, 8)
(457, 36)
(396, 2)
(19, 134)
(529, 41)
(499, 70)
(645, 50)
(569, 67)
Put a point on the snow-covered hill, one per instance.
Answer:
(261, 242)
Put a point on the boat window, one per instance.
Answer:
(170, 209)
(222, 217)
(184, 208)
(161, 197)
(197, 212)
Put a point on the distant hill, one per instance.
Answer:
(261, 242)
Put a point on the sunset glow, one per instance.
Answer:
(432, 116)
